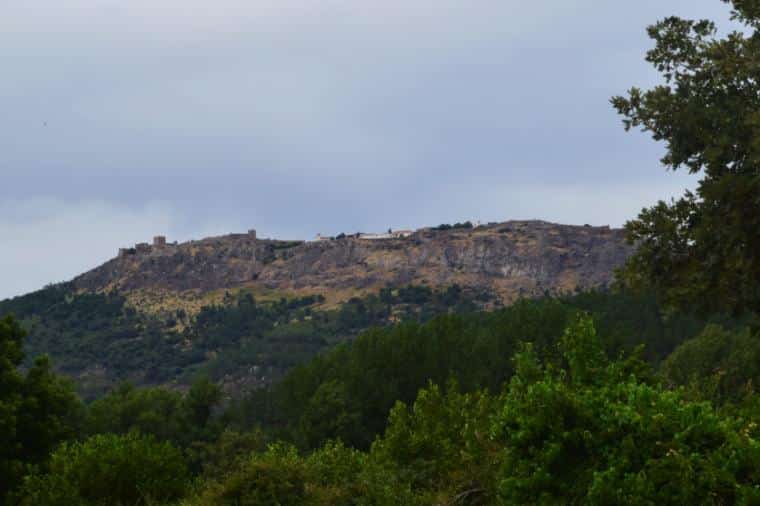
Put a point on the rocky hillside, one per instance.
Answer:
(244, 310)
(508, 259)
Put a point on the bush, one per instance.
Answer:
(720, 364)
(439, 447)
(574, 428)
(595, 434)
(274, 478)
(129, 470)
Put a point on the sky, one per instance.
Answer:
(123, 120)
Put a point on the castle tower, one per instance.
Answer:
(252, 233)
(159, 241)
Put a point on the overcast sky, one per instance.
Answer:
(122, 120)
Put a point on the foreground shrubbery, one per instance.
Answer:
(565, 424)
(601, 433)
(38, 409)
(589, 432)
(109, 469)
(558, 423)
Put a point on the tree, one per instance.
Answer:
(200, 401)
(37, 410)
(11, 384)
(613, 437)
(109, 469)
(164, 414)
(700, 252)
(275, 478)
(154, 411)
(441, 444)
(329, 414)
(721, 364)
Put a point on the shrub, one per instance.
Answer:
(128, 470)
(274, 478)
(721, 364)
(596, 434)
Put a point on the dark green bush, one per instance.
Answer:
(128, 470)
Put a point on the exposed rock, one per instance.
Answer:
(510, 259)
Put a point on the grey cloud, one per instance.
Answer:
(305, 116)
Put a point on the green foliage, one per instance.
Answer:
(103, 341)
(721, 364)
(700, 252)
(227, 452)
(82, 330)
(563, 422)
(165, 414)
(329, 411)
(274, 478)
(153, 411)
(37, 409)
(439, 447)
(109, 470)
(582, 350)
(200, 401)
(335, 474)
(582, 429)
(347, 393)
(608, 438)
(455, 226)
(277, 336)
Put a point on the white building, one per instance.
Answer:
(398, 234)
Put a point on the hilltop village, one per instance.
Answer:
(397, 234)
(161, 245)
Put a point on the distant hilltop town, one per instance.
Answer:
(391, 234)
(160, 245)
(396, 234)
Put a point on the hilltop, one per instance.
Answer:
(244, 309)
(511, 259)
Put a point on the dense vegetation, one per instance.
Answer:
(433, 413)
(596, 398)
(38, 409)
(348, 392)
(83, 330)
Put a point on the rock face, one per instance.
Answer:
(510, 259)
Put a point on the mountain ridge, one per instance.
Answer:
(512, 259)
(244, 310)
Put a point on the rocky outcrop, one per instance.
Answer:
(510, 259)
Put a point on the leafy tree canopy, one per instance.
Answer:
(109, 469)
(37, 409)
(585, 430)
(700, 251)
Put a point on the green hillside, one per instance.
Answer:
(101, 340)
